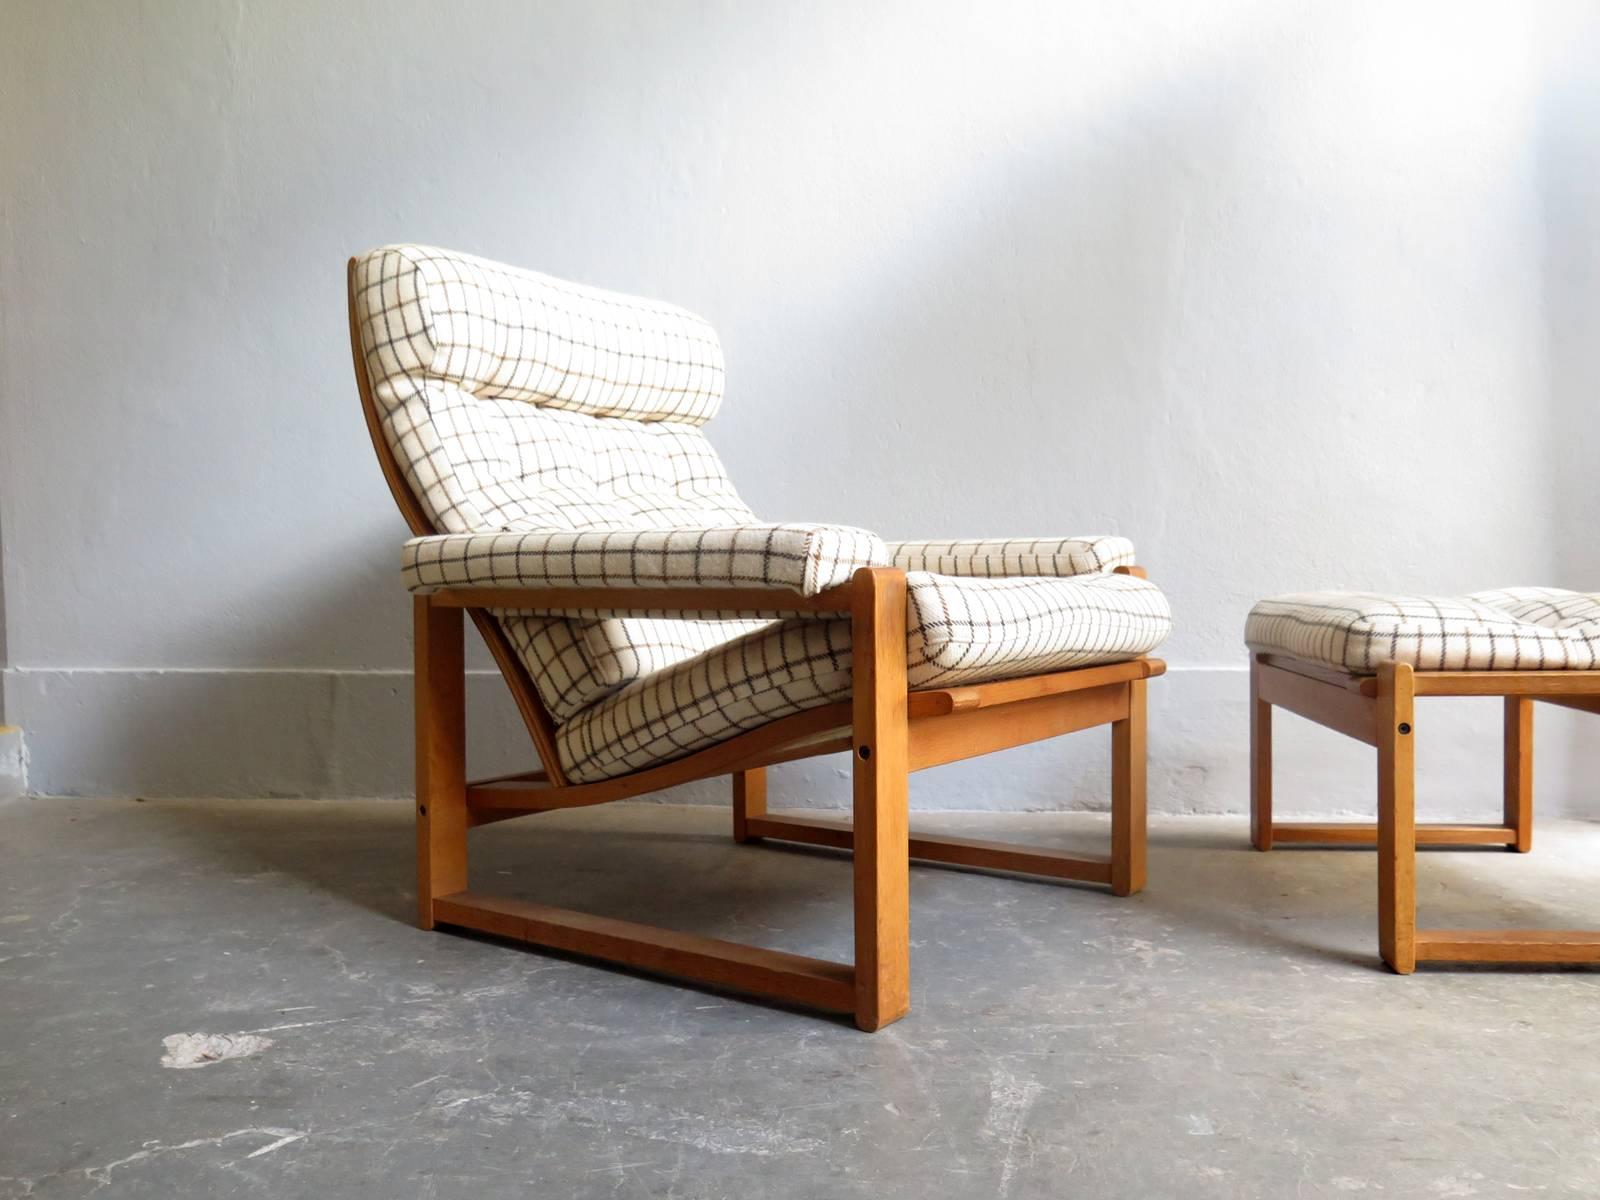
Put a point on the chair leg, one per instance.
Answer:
(441, 756)
(881, 798)
(1397, 818)
(1519, 771)
(749, 801)
(1128, 754)
(1260, 763)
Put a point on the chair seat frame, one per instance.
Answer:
(889, 731)
(1380, 710)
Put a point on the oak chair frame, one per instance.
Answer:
(1380, 710)
(890, 731)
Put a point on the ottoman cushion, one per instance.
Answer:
(1515, 629)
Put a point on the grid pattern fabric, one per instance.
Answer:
(515, 403)
(1512, 629)
(995, 558)
(502, 332)
(481, 465)
(802, 558)
(974, 630)
(774, 672)
(556, 653)
(576, 662)
(552, 434)
(959, 631)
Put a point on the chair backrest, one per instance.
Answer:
(514, 401)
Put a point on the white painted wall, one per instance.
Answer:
(1293, 294)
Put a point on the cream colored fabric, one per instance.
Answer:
(959, 631)
(995, 558)
(553, 434)
(1513, 629)
(805, 559)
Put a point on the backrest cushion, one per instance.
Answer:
(501, 332)
(513, 401)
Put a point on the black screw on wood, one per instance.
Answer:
(1405, 727)
(422, 810)
(865, 752)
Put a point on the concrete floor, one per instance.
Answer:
(1226, 1034)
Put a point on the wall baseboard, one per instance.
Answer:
(335, 734)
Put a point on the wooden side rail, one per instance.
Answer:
(889, 731)
(811, 981)
(954, 851)
(1365, 833)
(1588, 704)
(938, 702)
(1508, 945)
(1328, 704)
(976, 730)
(1381, 710)
(945, 725)
(1346, 704)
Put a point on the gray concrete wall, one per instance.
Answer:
(1293, 295)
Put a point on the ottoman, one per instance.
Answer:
(1355, 662)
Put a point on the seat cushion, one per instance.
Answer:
(1514, 629)
(959, 630)
(966, 630)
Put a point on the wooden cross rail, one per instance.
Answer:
(1380, 710)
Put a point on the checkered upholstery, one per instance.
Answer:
(959, 631)
(967, 630)
(552, 434)
(996, 558)
(499, 332)
(803, 558)
(784, 668)
(1513, 629)
(520, 404)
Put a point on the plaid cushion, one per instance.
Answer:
(803, 558)
(552, 433)
(1513, 629)
(500, 332)
(785, 668)
(994, 558)
(557, 654)
(974, 630)
(959, 631)
(516, 402)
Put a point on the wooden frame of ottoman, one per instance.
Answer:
(1380, 711)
